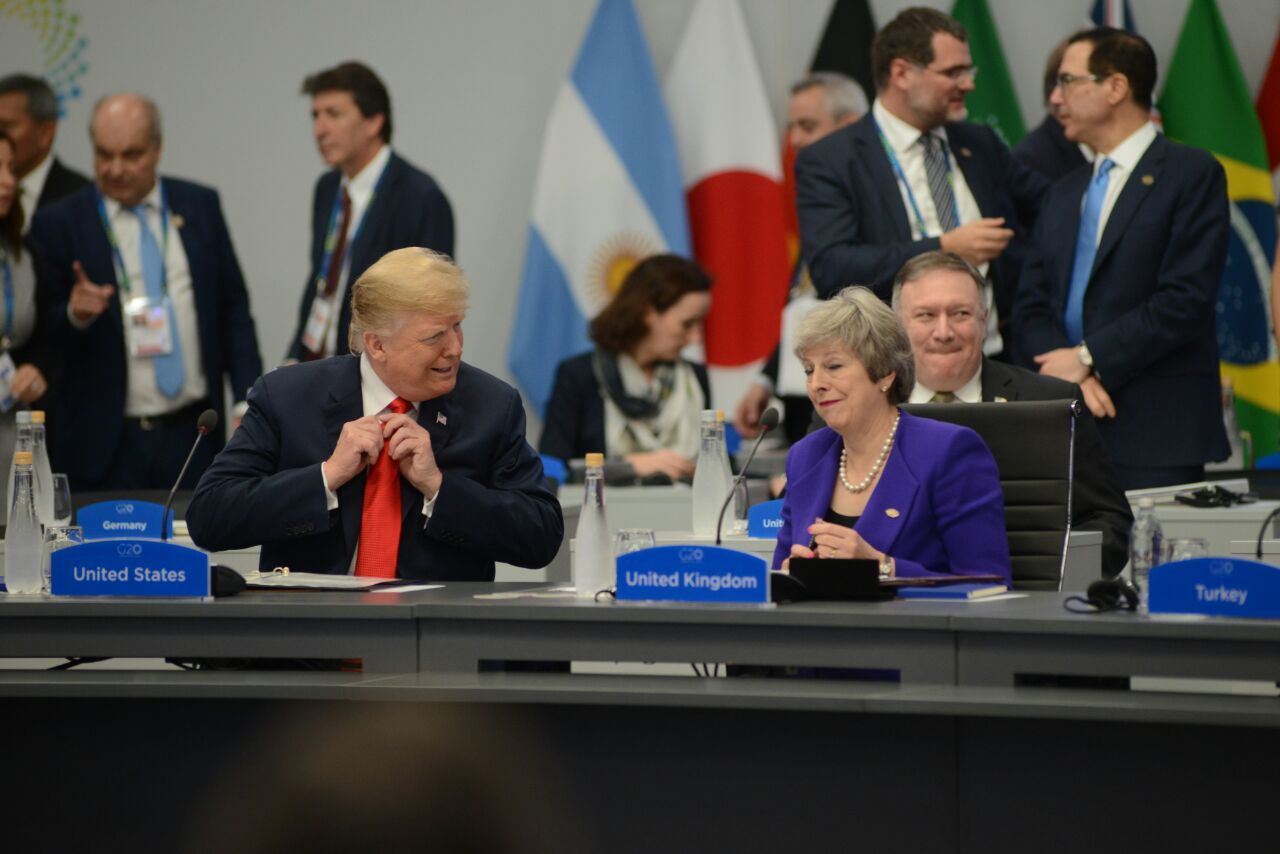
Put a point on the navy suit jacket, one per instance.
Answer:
(265, 488)
(59, 183)
(855, 229)
(938, 508)
(410, 209)
(1149, 307)
(1098, 502)
(574, 424)
(1048, 151)
(88, 403)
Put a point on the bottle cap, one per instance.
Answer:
(1146, 502)
(22, 458)
(37, 416)
(23, 416)
(595, 459)
(719, 416)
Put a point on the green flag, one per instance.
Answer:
(994, 101)
(1206, 103)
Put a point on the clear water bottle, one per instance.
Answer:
(40, 465)
(22, 539)
(593, 546)
(1146, 543)
(709, 484)
(724, 452)
(22, 419)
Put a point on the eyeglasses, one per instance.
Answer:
(1065, 79)
(959, 74)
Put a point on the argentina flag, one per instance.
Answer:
(608, 194)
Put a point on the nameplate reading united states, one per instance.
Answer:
(129, 568)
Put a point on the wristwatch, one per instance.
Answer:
(886, 566)
(1086, 358)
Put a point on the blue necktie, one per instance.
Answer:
(169, 371)
(935, 170)
(1086, 251)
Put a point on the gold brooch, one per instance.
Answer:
(178, 221)
(892, 513)
(1147, 180)
(965, 151)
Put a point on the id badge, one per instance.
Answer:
(150, 332)
(313, 334)
(7, 400)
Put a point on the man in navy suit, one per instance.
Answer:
(370, 202)
(148, 307)
(1120, 294)
(1046, 149)
(399, 462)
(29, 114)
(912, 177)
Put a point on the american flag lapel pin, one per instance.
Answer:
(440, 419)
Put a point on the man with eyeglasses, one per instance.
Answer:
(913, 177)
(1120, 295)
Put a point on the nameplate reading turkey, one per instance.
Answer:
(693, 573)
(122, 518)
(1215, 586)
(129, 568)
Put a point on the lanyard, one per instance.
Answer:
(8, 296)
(335, 216)
(906, 186)
(142, 223)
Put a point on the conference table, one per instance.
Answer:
(972, 734)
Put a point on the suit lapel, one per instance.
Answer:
(974, 177)
(375, 216)
(890, 505)
(346, 404)
(1136, 190)
(433, 416)
(186, 221)
(997, 385)
(871, 154)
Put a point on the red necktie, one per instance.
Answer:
(381, 516)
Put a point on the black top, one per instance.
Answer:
(837, 519)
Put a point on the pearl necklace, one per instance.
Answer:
(875, 469)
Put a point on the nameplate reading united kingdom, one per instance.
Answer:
(129, 568)
(693, 573)
(122, 518)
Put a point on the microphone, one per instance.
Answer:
(204, 426)
(768, 421)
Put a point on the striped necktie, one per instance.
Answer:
(935, 169)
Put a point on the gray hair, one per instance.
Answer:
(42, 103)
(860, 322)
(843, 94)
(930, 262)
(148, 106)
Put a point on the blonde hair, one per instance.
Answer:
(860, 322)
(402, 281)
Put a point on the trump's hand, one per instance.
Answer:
(409, 444)
(358, 447)
(1063, 363)
(88, 300)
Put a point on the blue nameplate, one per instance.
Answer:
(122, 518)
(692, 574)
(129, 568)
(1217, 586)
(765, 519)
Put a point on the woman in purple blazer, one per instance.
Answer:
(922, 497)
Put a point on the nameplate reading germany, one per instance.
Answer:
(692, 574)
(129, 568)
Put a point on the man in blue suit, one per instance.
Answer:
(1120, 294)
(399, 462)
(911, 177)
(370, 202)
(148, 307)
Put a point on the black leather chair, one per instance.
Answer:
(1033, 445)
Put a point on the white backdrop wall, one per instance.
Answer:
(471, 82)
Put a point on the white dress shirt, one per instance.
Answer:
(376, 399)
(970, 392)
(904, 139)
(30, 188)
(360, 187)
(142, 397)
(1125, 156)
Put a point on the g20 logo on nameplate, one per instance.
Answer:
(129, 568)
(123, 517)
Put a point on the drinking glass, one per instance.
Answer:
(57, 537)
(61, 500)
(633, 540)
(1185, 548)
